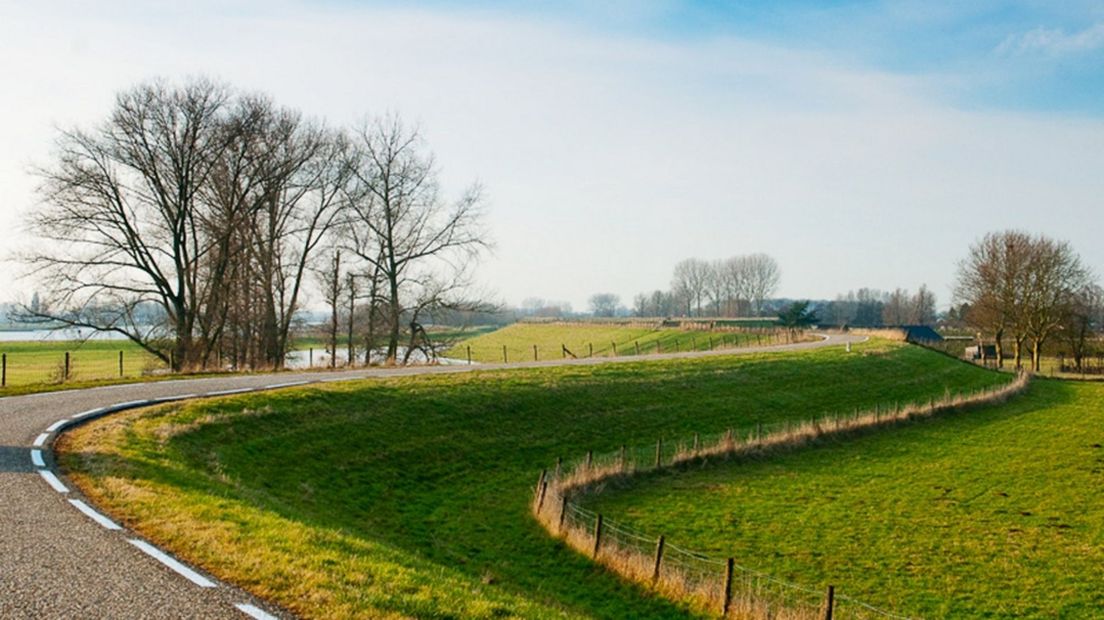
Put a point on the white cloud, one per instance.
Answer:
(1054, 41)
(607, 159)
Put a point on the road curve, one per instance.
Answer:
(60, 558)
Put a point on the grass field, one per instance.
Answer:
(990, 513)
(582, 339)
(43, 361)
(409, 497)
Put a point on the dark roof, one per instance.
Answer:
(921, 333)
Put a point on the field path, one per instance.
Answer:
(60, 558)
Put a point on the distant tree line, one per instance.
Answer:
(1027, 289)
(219, 207)
(868, 307)
(733, 287)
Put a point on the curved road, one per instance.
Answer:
(60, 558)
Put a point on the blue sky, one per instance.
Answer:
(862, 144)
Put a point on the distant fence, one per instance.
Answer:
(683, 341)
(34, 367)
(714, 585)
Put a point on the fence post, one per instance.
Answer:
(727, 586)
(504, 359)
(614, 345)
(563, 511)
(711, 343)
(563, 350)
(66, 366)
(120, 363)
(590, 459)
(830, 602)
(590, 349)
(677, 348)
(597, 536)
(534, 353)
(4, 370)
(659, 452)
(469, 355)
(637, 343)
(622, 461)
(543, 491)
(758, 431)
(310, 358)
(658, 559)
(658, 350)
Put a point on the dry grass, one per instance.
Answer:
(700, 583)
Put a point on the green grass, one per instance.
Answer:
(579, 338)
(409, 497)
(986, 513)
(43, 361)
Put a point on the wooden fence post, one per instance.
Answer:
(120, 363)
(543, 492)
(729, 567)
(830, 602)
(659, 452)
(711, 343)
(310, 358)
(540, 481)
(563, 511)
(590, 349)
(590, 459)
(534, 353)
(614, 346)
(637, 343)
(597, 536)
(658, 350)
(658, 559)
(4, 370)
(563, 350)
(505, 360)
(469, 355)
(66, 366)
(677, 348)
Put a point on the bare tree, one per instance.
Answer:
(896, 310)
(762, 277)
(123, 221)
(1085, 317)
(1054, 276)
(401, 227)
(922, 307)
(604, 304)
(991, 280)
(690, 282)
(331, 278)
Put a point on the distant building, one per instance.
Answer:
(920, 333)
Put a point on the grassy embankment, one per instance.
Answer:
(579, 338)
(990, 513)
(410, 497)
(43, 361)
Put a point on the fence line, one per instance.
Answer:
(711, 584)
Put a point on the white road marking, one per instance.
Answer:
(225, 392)
(56, 425)
(41, 439)
(36, 458)
(172, 563)
(53, 481)
(166, 399)
(95, 516)
(87, 413)
(284, 385)
(129, 404)
(254, 612)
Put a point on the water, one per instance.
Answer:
(57, 335)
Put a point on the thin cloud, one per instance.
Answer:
(1054, 41)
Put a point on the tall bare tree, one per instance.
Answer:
(762, 276)
(124, 220)
(401, 227)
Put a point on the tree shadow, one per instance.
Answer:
(15, 460)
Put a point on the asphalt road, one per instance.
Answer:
(60, 558)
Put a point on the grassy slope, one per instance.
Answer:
(31, 362)
(410, 497)
(943, 518)
(519, 339)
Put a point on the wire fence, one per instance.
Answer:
(658, 341)
(715, 585)
(54, 366)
